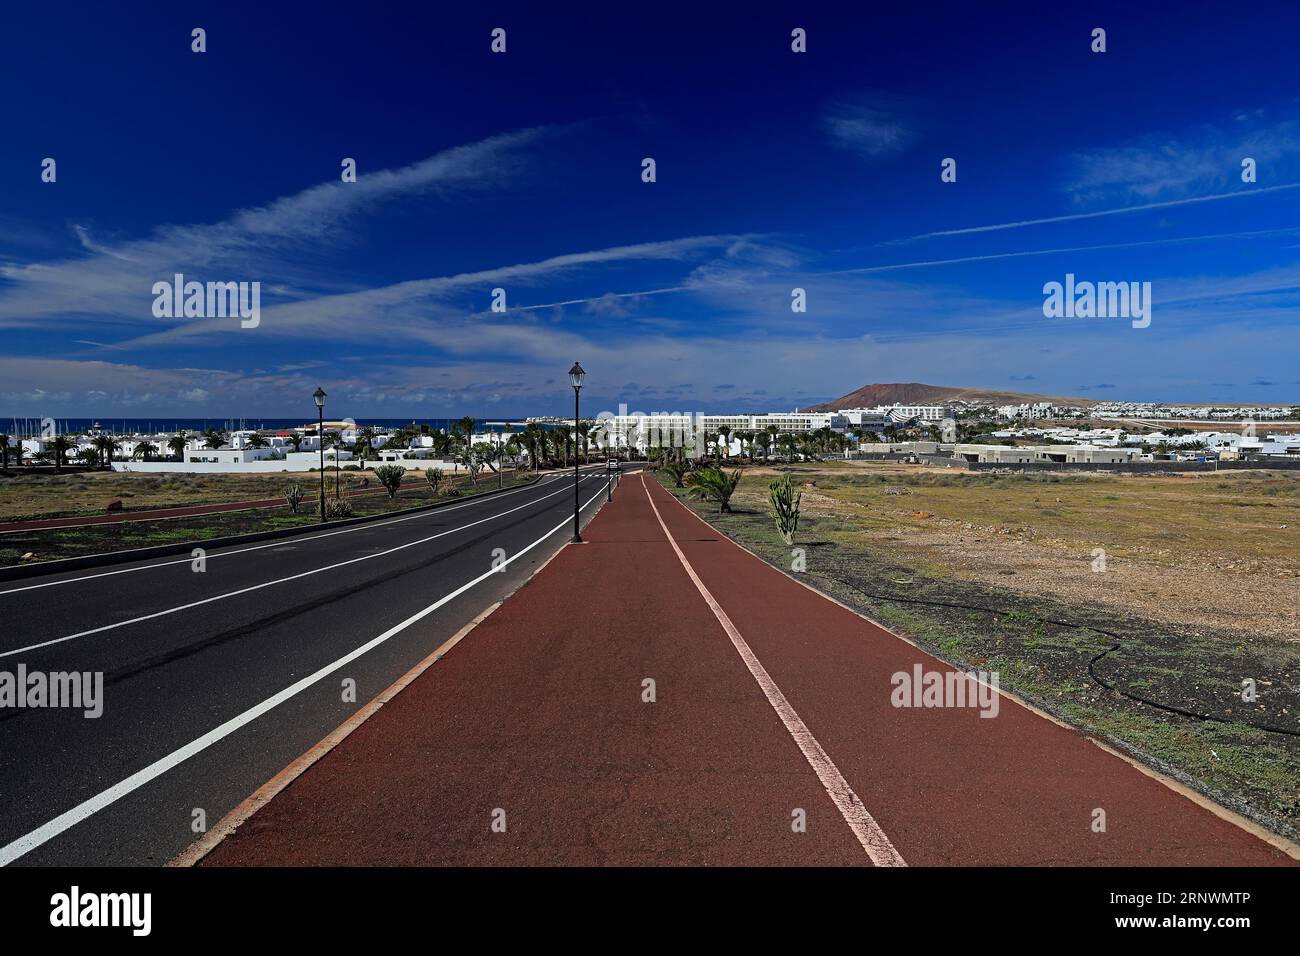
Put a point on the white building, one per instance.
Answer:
(682, 429)
(897, 413)
(232, 456)
(1027, 411)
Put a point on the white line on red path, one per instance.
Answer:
(851, 807)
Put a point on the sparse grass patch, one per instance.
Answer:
(102, 539)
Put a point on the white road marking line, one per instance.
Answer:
(259, 547)
(267, 584)
(48, 831)
(860, 821)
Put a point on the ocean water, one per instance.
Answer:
(131, 426)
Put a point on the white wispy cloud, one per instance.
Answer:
(1246, 192)
(114, 280)
(1202, 159)
(1170, 241)
(1166, 170)
(872, 124)
(418, 309)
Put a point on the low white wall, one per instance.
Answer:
(259, 467)
(207, 467)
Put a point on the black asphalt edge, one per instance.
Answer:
(19, 572)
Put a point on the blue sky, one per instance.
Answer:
(522, 171)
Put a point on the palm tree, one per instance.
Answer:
(677, 471)
(145, 450)
(534, 440)
(442, 443)
(295, 440)
(365, 436)
(357, 448)
(466, 427)
(713, 484)
(106, 445)
(4, 452)
(178, 443)
(563, 434)
(213, 439)
(257, 440)
(724, 441)
(584, 429)
(89, 456)
(60, 446)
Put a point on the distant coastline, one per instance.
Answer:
(20, 424)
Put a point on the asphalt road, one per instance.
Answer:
(214, 680)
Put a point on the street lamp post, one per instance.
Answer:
(576, 375)
(319, 398)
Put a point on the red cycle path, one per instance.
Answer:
(539, 712)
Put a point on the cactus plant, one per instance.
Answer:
(293, 496)
(338, 508)
(785, 506)
(390, 476)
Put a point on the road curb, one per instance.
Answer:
(19, 572)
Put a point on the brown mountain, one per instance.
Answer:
(915, 393)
